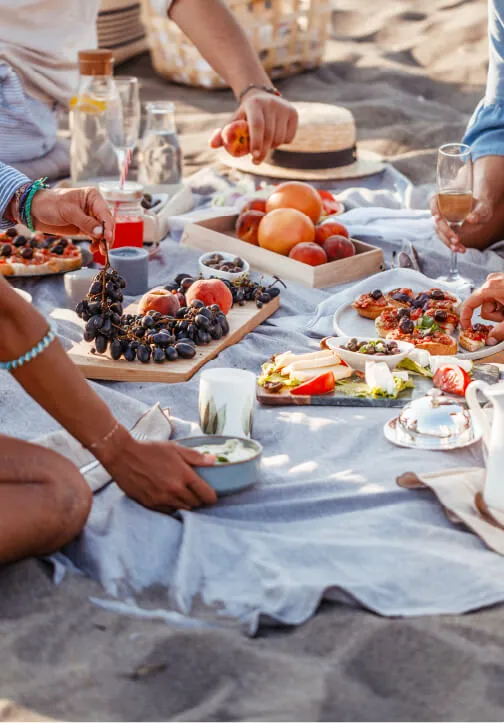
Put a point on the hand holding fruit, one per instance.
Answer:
(262, 122)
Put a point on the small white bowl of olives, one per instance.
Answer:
(356, 351)
(222, 265)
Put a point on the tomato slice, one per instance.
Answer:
(331, 205)
(452, 379)
(323, 384)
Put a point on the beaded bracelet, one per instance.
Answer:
(26, 202)
(33, 352)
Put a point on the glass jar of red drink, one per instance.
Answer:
(126, 207)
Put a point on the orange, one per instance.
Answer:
(298, 195)
(283, 229)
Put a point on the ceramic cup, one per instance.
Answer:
(226, 402)
(133, 265)
(77, 285)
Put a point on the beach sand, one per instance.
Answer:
(412, 73)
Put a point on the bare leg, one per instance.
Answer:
(44, 500)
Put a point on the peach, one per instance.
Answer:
(338, 247)
(160, 300)
(309, 253)
(255, 204)
(236, 138)
(329, 228)
(282, 229)
(247, 226)
(211, 291)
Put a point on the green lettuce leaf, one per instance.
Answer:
(413, 366)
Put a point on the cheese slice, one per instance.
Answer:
(379, 376)
(420, 356)
(321, 361)
(283, 360)
(339, 371)
(440, 361)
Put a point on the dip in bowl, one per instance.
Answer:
(238, 461)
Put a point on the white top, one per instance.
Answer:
(40, 39)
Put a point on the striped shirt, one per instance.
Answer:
(10, 181)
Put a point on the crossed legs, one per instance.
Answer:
(44, 500)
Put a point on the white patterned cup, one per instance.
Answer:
(226, 402)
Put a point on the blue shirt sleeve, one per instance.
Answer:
(10, 181)
(485, 132)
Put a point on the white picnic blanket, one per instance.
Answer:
(326, 520)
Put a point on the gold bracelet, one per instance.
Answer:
(97, 445)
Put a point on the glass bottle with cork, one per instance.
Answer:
(92, 156)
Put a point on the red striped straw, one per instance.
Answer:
(127, 161)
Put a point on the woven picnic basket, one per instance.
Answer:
(289, 36)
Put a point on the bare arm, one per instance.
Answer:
(221, 41)
(52, 380)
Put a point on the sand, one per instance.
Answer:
(411, 72)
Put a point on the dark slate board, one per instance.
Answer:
(485, 372)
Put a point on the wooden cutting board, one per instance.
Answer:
(486, 372)
(242, 320)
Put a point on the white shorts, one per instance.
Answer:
(27, 126)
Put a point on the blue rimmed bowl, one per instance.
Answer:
(229, 477)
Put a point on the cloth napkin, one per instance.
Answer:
(456, 490)
(154, 425)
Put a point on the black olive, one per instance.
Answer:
(376, 294)
(437, 294)
(406, 326)
(11, 233)
(20, 241)
(440, 315)
(27, 253)
(6, 250)
(403, 298)
(403, 313)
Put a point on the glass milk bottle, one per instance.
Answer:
(161, 165)
(92, 156)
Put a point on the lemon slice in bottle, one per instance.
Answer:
(89, 105)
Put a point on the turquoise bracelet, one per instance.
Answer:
(34, 351)
(37, 186)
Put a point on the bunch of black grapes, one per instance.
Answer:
(145, 337)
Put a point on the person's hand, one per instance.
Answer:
(71, 212)
(488, 191)
(160, 475)
(490, 297)
(272, 122)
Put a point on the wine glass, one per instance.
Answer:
(123, 121)
(455, 197)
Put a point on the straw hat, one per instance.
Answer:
(324, 148)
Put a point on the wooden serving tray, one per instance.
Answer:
(218, 234)
(485, 372)
(242, 320)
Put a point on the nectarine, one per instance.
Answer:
(329, 228)
(160, 300)
(338, 247)
(236, 138)
(298, 195)
(255, 204)
(211, 291)
(309, 253)
(282, 229)
(247, 226)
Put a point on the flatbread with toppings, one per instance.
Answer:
(39, 255)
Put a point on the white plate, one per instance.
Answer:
(400, 438)
(347, 322)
